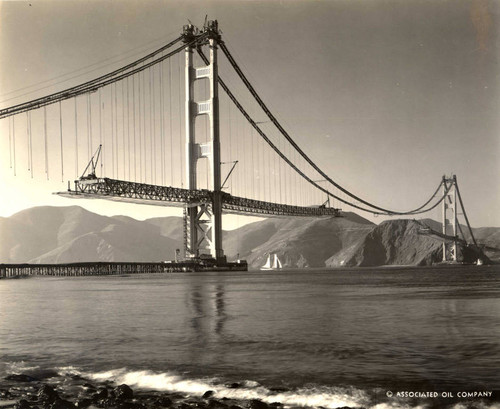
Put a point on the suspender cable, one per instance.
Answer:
(287, 175)
(252, 163)
(100, 128)
(292, 142)
(76, 138)
(28, 137)
(162, 136)
(170, 123)
(128, 128)
(104, 161)
(90, 123)
(61, 137)
(112, 134)
(123, 123)
(151, 132)
(419, 210)
(240, 183)
(230, 140)
(295, 183)
(151, 81)
(45, 141)
(133, 125)
(144, 125)
(139, 129)
(31, 146)
(206, 120)
(261, 169)
(262, 160)
(14, 142)
(117, 136)
(89, 151)
(180, 119)
(10, 142)
(465, 213)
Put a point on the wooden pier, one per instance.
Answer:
(104, 268)
(83, 269)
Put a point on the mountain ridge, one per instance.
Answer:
(70, 234)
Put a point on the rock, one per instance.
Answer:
(123, 392)
(23, 404)
(105, 403)
(163, 401)
(83, 403)
(45, 374)
(234, 385)
(47, 394)
(208, 394)
(101, 394)
(216, 404)
(20, 378)
(129, 405)
(256, 404)
(88, 386)
(62, 404)
(279, 389)
(193, 404)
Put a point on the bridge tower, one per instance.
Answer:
(203, 221)
(450, 216)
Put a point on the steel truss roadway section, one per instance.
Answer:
(132, 192)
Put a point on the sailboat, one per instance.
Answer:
(275, 264)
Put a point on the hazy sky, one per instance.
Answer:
(386, 96)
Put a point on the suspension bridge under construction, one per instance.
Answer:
(158, 131)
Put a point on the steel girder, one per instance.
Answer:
(113, 189)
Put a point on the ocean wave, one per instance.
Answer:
(326, 397)
(313, 396)
(20, 366)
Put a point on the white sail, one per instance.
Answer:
(276, 262)
(268, 263)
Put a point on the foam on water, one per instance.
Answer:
(20, 367)
(311, 396)
(476, 405)
(326, 397)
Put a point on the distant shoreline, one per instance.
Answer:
(438, 266)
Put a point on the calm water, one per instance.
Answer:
(324, 337)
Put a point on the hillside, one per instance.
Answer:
(298, 242)
(394, 242)
(71, 234)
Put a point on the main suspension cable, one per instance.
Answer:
(271, 144)
(302, 153)
(93, 85)
(81, 88)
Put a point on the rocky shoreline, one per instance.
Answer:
(21, 391)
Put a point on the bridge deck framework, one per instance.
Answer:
(133, 192)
